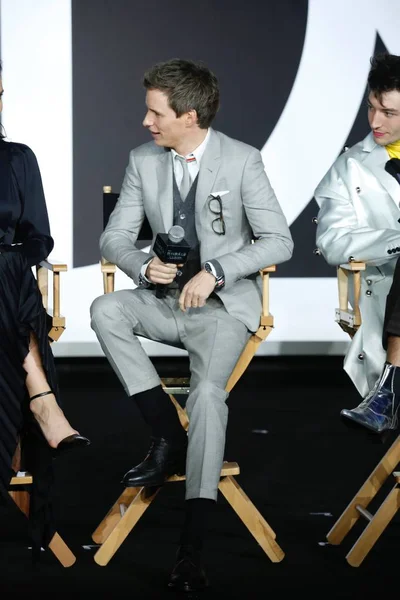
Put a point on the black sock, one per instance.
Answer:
(196, 517)
(160, 414)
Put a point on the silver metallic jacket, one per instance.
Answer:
(359, 217)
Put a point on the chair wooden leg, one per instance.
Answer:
(374, 529)
(365, 494)
(246, 357)
(114, 514)
(251, 517)
(22, 500)
(17, 458)
(57, 545)
(61, 551)
(131, 516)
(182, 414)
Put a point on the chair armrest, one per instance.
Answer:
(353, 266)
(349, 318)
(108, 269)
(270, 269)
(267, 320)
(53, 265)
(42, 275)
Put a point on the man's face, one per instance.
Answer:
(167, 129)
(384, 117)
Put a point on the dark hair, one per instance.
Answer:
(188, 85)
(384, 75)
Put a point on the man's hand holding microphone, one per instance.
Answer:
(171, 253)
(161, 273)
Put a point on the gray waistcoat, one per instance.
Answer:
(186, 210)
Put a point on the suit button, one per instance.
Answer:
(317, 252)
(351, 258)
(369, 281)
(368, 293)
(314, 220)
(358, 190)
(360, 356)
(397, 249)
(389, 251)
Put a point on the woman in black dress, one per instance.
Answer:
(30, 408)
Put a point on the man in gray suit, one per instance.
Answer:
(359, 219)
(216, 188)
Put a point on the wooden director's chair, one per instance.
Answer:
(23, 479)
(349, 319)
(133, 502)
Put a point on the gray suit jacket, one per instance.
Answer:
(359, 217)
(250, 209)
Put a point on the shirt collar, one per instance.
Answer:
(198, 152)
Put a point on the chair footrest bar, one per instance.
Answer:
(364, 512)
(25, 479)
(176, 381)
(228, 468)
(176, 390)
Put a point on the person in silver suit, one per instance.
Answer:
(359, 219)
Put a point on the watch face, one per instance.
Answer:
(208, 269)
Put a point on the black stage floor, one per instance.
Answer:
(300, 465)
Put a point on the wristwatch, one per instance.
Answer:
(219, 279)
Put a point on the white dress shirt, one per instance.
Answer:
(193, 166)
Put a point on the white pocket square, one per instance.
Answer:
(220, 194)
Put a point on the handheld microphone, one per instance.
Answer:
(172, 248)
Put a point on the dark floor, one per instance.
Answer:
(300, 465)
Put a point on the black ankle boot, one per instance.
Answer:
(378, 411)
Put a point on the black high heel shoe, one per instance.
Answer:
(71, 442)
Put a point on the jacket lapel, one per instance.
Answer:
(165, 186)
(209, 167)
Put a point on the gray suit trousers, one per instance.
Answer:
(214, 341)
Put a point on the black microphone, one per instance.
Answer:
(172, 248)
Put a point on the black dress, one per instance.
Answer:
(25, 240)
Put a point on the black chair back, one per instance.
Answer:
(109, 201)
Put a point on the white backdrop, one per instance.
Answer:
(37, 77)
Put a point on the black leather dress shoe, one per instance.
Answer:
(188, 574)
(163, 459)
